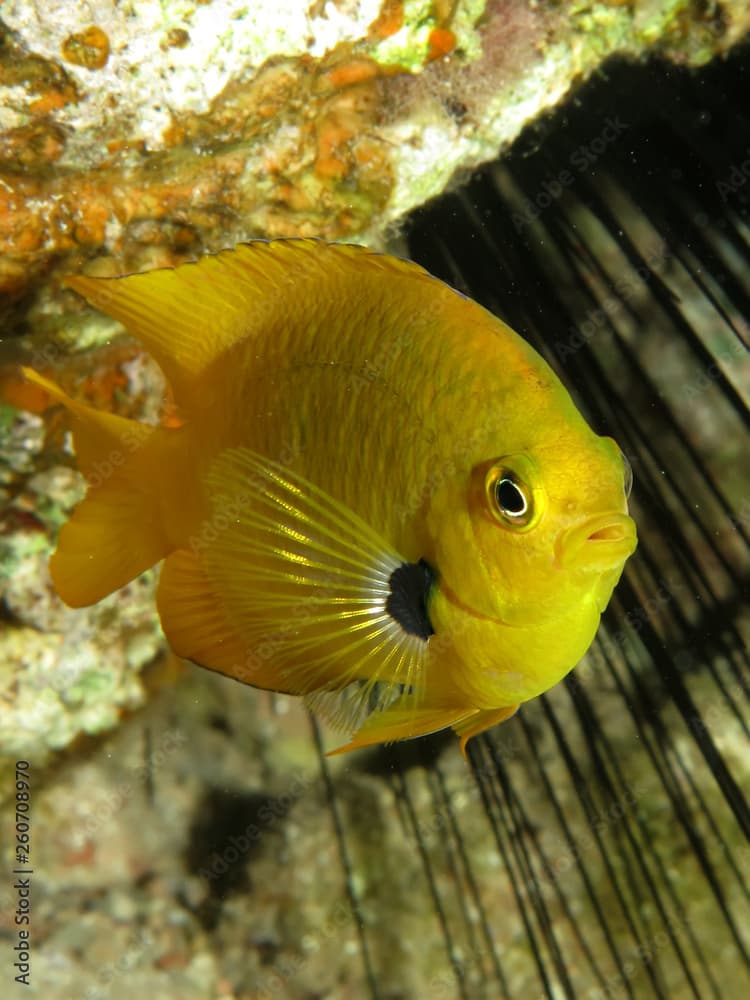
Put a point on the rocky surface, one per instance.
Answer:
(65, 672)
(194, 854)
(146, 132)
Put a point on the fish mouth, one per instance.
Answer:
(600, 542)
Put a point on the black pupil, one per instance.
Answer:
(509, 497)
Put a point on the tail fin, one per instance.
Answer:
(116, 532)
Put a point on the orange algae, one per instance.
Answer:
(389, 20)
(356, 71)
(53, 100)
(88, 48)
(16, 391)
(442, 41)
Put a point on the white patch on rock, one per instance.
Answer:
(145, 81)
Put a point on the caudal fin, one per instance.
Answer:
(116, 532)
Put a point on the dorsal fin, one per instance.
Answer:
(189, 315)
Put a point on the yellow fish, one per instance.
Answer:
(380, 496)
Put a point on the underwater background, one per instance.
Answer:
(597, 844)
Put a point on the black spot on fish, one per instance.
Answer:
(407, 602)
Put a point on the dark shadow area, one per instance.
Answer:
(224, 838)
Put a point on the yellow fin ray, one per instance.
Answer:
(97, 435)
(197, 627)
(305, 581)
(188, 316)
(348, 708)
(375, 646)
(405, 719)
(480, 720)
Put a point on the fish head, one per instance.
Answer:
(544, 532)
(527, 562)
(596, 534)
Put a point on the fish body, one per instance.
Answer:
(380, 497)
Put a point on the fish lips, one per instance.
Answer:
(598, 543)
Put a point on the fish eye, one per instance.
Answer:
(627, 473)
(627, 468)
(510, 499)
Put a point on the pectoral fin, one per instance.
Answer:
(307, 583)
